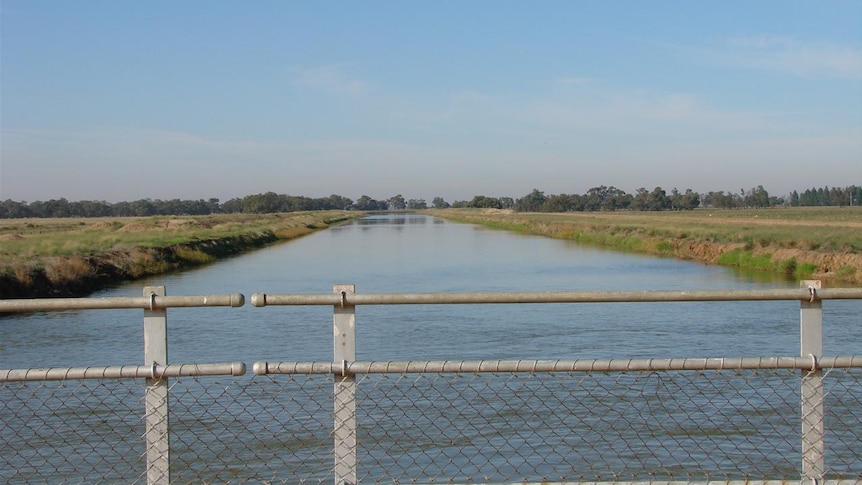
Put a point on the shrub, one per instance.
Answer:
(806, 269)
(664, 247)
(730, 258)
(846, 271)
(788, 266)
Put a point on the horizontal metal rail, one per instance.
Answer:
(140, 302)
(348, 299)
(579, 365)
(123, 372)
(683, 482)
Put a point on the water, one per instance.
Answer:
(417, 253)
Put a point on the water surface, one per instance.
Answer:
(417, 253)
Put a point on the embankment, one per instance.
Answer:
(60, 258)
(796, 244)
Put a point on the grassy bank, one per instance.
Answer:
(823, 243)
(73, 257)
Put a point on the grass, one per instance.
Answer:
(797, 242)
(66, 257)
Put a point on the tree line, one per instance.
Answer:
(601, 198)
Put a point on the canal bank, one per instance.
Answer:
(797, 243)
(75, 257)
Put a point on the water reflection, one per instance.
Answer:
(392, 220)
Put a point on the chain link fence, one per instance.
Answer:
(346, 422)
(461, 427)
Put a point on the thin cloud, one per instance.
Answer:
(791, 56)
(639, 111)
(332, 78)
(574, 80)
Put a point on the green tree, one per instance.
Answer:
(366, 203)
(484, 202)
(640, 202)
(658, 200)
(560, 203)
(531, 202)
(439, 203)
(396, 202)
(417, 204)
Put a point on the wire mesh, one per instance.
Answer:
(436, 428)
(72, 431)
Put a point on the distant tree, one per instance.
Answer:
(459, 204)
(658, 200)
(561, 203)
(690, 200)
(794, 199)
(10, 209)
(484, 202)
(365, 203)
(417, 204)
(687, 201)
(606, 198)
(142, 207)
(756, 197)
(640, 201)
(531, 202)
(261, 203)
(439, 203)
(616, 199)
(92, 208)
(396, 202)
(594, 197)
(507, 202)
(232, 206)
(338, 202)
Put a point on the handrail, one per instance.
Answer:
(123, 372)
(140, 302)
(577, 365)
(349, 299)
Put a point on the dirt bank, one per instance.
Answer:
(155, 247)
(809, 247)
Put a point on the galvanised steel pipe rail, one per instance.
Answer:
(349, 299)
(578, 365)
(156, 370)
(151, 302)
(344, 301)
(123, 372)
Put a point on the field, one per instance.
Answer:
(822, 242)
(72, 257)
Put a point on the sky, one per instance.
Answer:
(120, 101)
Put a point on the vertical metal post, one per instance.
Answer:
(156, 353)
(811, 339)
(344, 352)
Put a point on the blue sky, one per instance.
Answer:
(108, 100)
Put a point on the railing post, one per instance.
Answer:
(156, 399)
(811, 339)
(344, 352)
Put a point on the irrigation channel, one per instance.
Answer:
(416, 254)
(420, 254)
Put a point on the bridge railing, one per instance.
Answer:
(747, 419)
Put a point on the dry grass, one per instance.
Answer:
(40, 238)
(40, 257)
(798, 242)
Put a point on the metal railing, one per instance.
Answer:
(746, 419)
